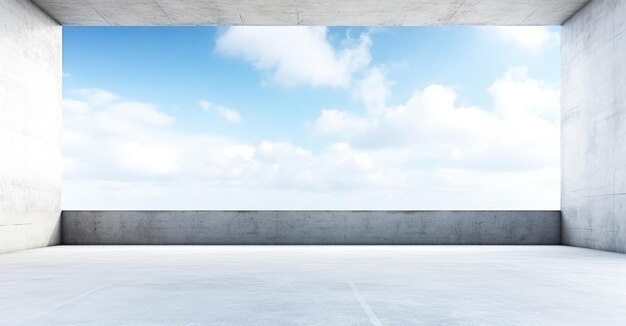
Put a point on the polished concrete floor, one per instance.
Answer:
(312, 285)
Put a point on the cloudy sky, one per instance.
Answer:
(311, 118)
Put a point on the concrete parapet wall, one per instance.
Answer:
(311, 227)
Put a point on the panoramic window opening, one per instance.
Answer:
(320, 118)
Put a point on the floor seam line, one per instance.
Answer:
(365, 306)
(65, 303)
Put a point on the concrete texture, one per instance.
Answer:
(313, 285)
(311, 227)
(311, 12)
(593, 150)
(30, 126)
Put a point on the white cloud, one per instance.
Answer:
(97, 96)
(105, 134)
(428, 153)
(529, 38)
(332, 121)
(125, 146)
(516, 94)
(205, 105)
(373, 90)
(227, 114)
(134, 113)
(142, 157)
(520, 132)
(297, 55)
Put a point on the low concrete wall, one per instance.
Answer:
(311, 227)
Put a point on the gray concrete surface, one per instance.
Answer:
(313, 285)
(311, 227)
(593, 150)
(311, 12)
(30, 126)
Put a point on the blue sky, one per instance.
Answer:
(311, 118)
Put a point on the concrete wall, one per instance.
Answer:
(311, 227)
(30, 127)
(594, 127)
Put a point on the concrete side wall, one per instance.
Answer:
(594, 127)
(30, 127)
(311, 227)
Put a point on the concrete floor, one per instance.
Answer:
(312, 285)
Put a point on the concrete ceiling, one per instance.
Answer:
(311, 12)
